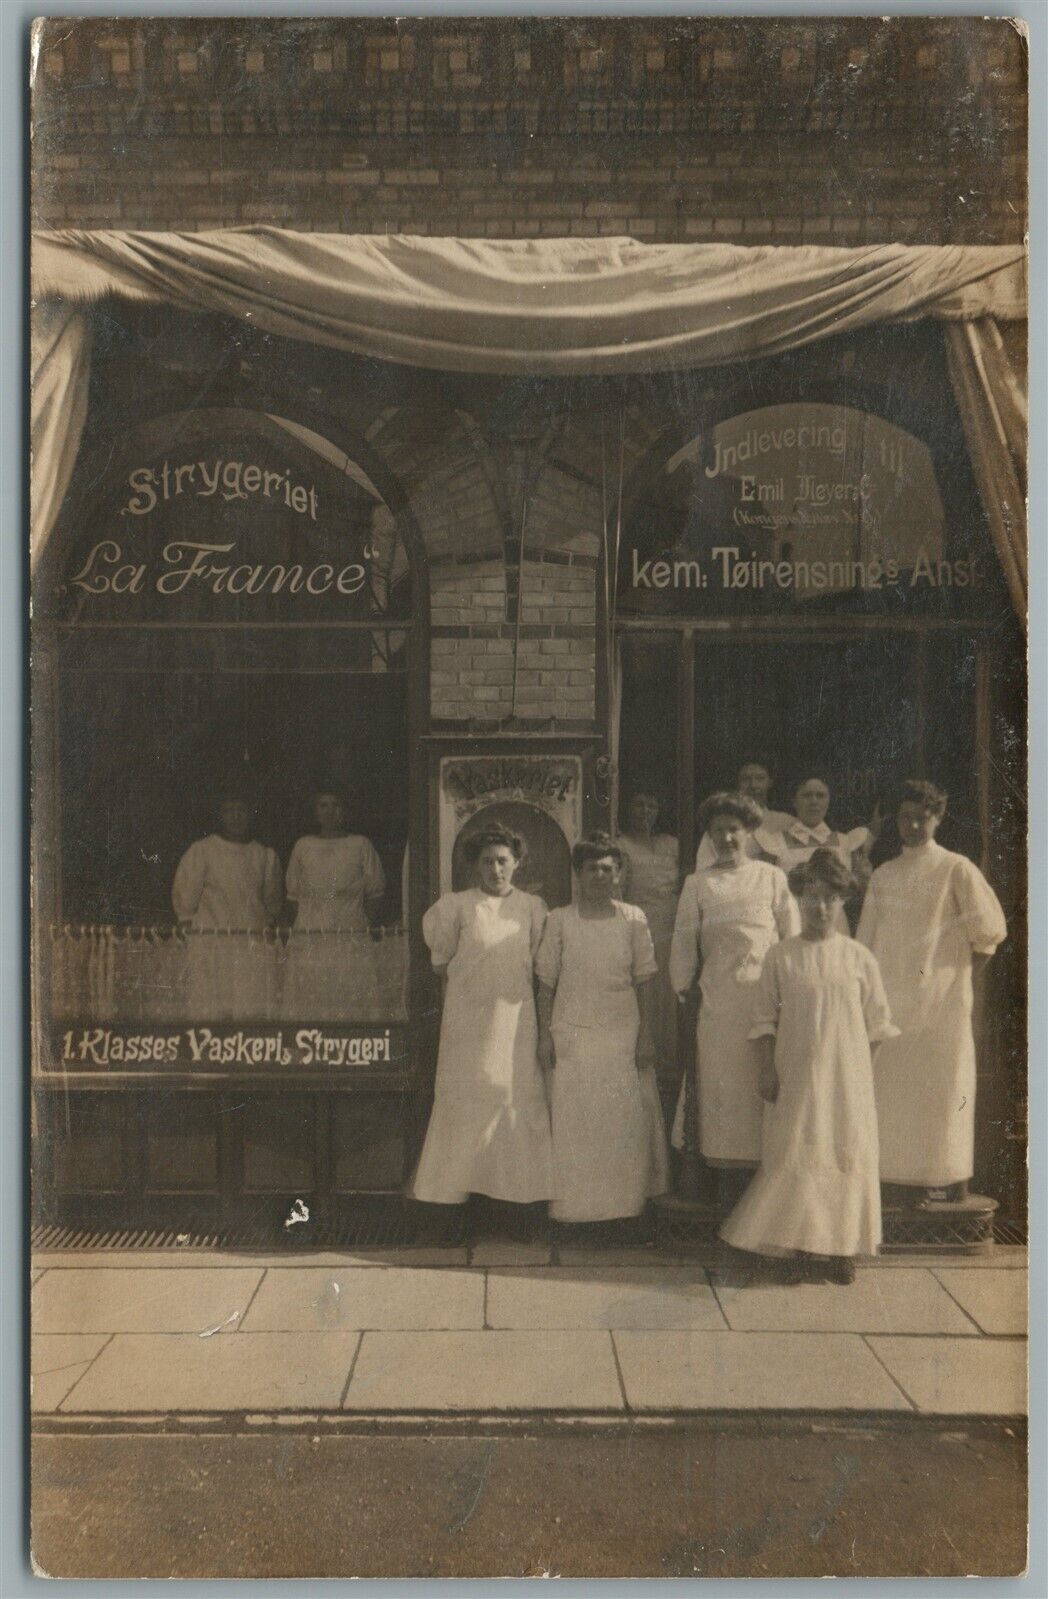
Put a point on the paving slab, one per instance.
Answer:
(613, 1296)
(634, 1255)
(256, 1371)
(510, 1252)
(958, 1376)
(903, 1300)
(158, 1300)
(486, 1371)
(753, 1371)
(56, 1362)
(997, 1300)
(308, 1298)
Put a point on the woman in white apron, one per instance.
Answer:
(931, 919)
(335, 884)
(489, 1130)
(753, 780)
(729, 916)
(595, 968)
(649, 879)
(227, 895)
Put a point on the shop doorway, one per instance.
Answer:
(862, 709)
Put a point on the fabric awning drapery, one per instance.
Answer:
(570, 306)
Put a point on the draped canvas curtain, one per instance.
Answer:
(566, 306)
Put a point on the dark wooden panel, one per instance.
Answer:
(279, 1144)
(368, 1137)
(181, 1144)
(84, 1143)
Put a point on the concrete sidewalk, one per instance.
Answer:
(511, 1329)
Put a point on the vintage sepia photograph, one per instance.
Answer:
(528, 796)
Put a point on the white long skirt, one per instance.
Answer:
(609, 1140)
(818, 1209)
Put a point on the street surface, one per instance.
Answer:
(713, 1499)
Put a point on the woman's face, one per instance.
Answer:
(234, 818)
(643, 814)
(916, 825)
(755, 781)
(728, 837)
(496, 864)
(811, 802)
(329, 812)
(819, 907)
(597, 880)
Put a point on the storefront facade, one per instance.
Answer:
(450, 598)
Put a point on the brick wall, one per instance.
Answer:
(666, 129)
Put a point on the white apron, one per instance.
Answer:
(925, 913)
(489, 1131)
(609, 1140)
(817, 1188)
(731, 918)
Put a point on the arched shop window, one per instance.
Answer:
(832, 573)
(231, 614)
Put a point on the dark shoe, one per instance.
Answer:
(839, 1269)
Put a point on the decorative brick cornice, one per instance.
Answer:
(588, 78)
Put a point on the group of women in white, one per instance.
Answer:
(555, 1099)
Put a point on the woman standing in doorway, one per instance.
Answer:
(729, 916)
(489, 1130)
(596, 967)
(649, 879)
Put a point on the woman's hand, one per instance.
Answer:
(768, 1083)
(547, 1054)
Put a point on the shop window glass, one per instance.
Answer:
(232, 755)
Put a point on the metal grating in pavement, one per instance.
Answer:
(388, 1228)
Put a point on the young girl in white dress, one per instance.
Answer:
(489, 1132)
(596, 966)
(819, 1017)
(335, 884)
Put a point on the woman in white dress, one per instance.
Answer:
(227, 890)
(335, 885)
(933, 921)
(754, 780)
(729, 916)
(649, 879)
(595, 966)
(819, 1017)
(489, 1131)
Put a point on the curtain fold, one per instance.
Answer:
(571, 306)
(991, 412)
(60, 359)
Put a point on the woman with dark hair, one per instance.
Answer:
(228, 881)
(595, 968)
(335, 883)
(730, 914)
(489, 1130)
(933, 921)
(649, 879)
(820, 1013)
